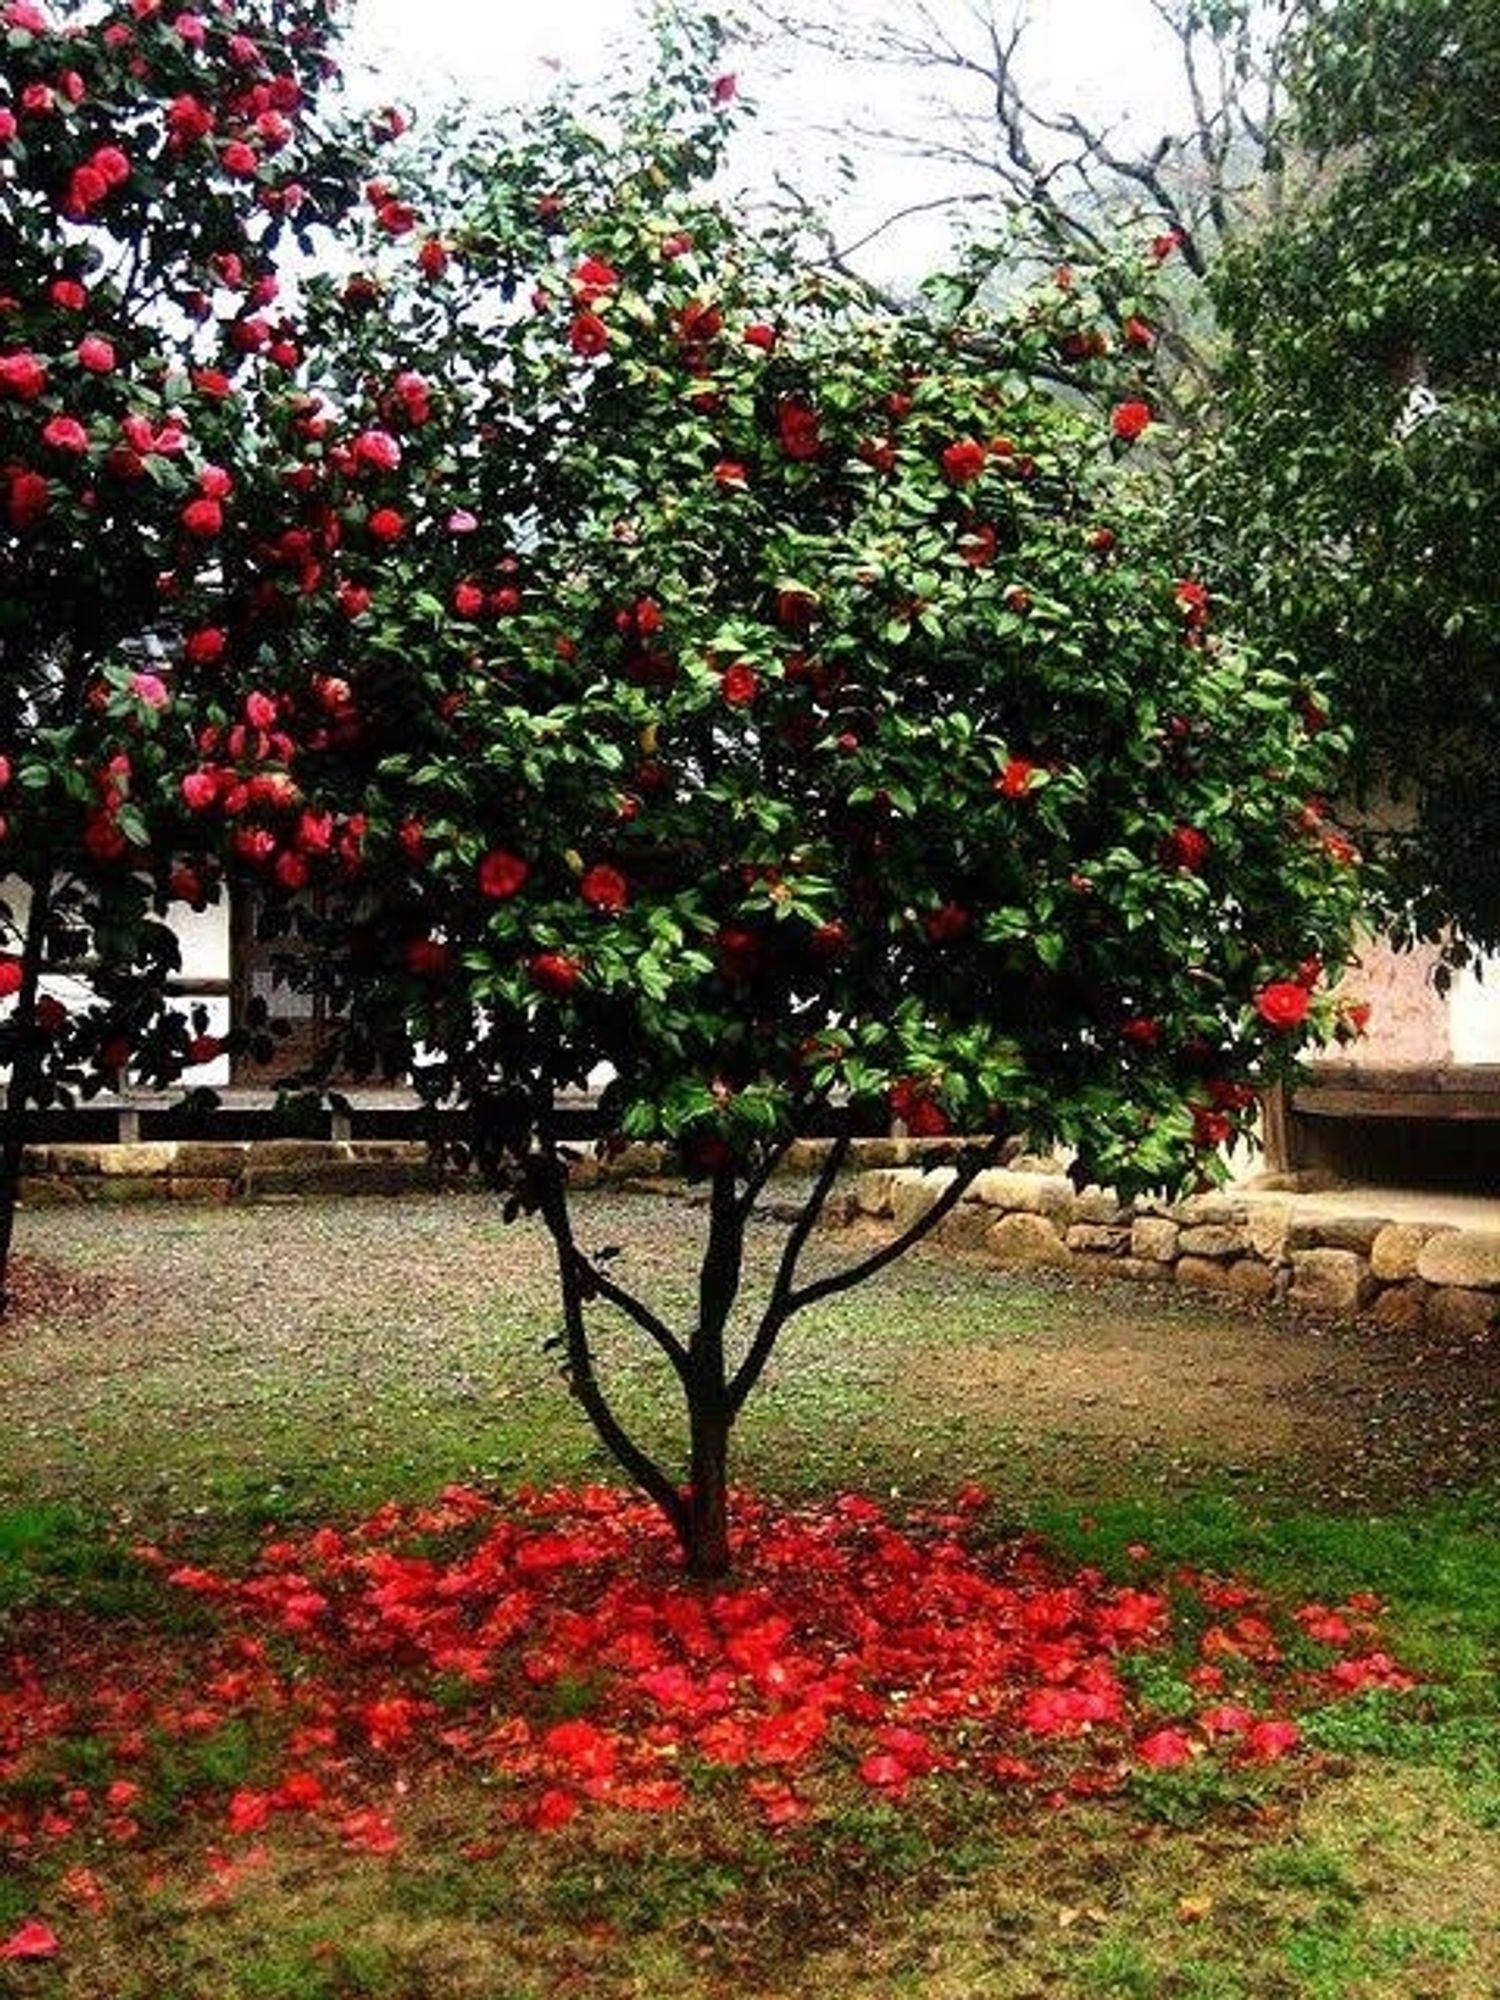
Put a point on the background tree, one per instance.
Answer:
(152, 163)
(1359, 455)
(778, 705)
(1015, 167)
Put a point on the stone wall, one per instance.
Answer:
(1247, 1245)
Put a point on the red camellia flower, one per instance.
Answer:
(729, 472)
(798, 428)
(202, 518)
(740, 684)
(588, 335)
(1128, 420)
(386, 525)
(1186, 848)
(501, 874)
(11, 975)
(760, 335)
(205, 645)
(1282, 1004)
(555, 973)
(28, 500)
(946, 923)
(593, 279)
(1016, 780)
(604, 888)
(963, 460)
(23, 376)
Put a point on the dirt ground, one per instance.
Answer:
(940, 1368)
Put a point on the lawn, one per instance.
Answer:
(1089, 1640)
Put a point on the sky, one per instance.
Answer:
(1108, 58)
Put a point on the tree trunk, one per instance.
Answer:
(21, 1091)
(704, 1530)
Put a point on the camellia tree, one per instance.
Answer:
(776, 708)
(153, 162)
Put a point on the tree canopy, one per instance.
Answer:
(1360, 432)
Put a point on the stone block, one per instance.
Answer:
(1464, 1314)
(913, 1193)
(1143, 1270)
(1267, 1224)
(1028, 1241)
(872, 1191)
(1204, 1274)
(1467, 1258)
(1207, 1211)
(1332, 1281)
(217, 1159)
(1153, 1239)
(1026, 1194)
(1212, 1239)
(200, 1187)
(1326, 1230)
(1401, 1308)
(1394, 1253)
(1097, 1239)
(1100, 1206)
(49, 1191)
(1250, 1278)
(965, 1226)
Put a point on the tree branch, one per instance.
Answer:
(855, 1274)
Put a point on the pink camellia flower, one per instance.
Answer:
(1128, 420)
(963, 460)
(23, 376)
(67, 294)
(96, 354)
(199, 790)
(1282, 1004)
(214, 483)
(260, 710)
(377, 451)
(66, 434)
(604, 888)
(28, 17)
(8, 125)
(150, 690)
(502, 874)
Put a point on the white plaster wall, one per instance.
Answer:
(1475, 1013)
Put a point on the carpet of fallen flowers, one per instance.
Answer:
(550, 1644)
